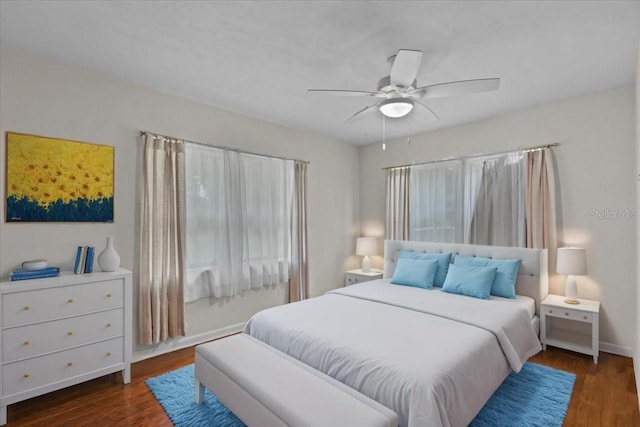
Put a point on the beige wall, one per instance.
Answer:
(595, 170)
(636, 358)
(44, 97)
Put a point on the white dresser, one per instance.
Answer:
(61, 331)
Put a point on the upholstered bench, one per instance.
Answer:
(265, 387)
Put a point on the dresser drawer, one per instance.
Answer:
(40, 371)
(41, 338)
(20, 308)
(567, 313)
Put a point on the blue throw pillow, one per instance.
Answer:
(504, 284)
(443, 259)
(471, 281)
(415, 272)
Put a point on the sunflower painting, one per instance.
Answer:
(55, 180)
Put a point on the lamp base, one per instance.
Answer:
(366, 264)
(571, 290)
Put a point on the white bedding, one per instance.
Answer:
(528, 303)
(400, 346)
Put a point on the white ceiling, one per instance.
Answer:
(258, 58)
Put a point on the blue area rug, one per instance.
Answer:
(538, 396)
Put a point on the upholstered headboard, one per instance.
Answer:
(533, 276)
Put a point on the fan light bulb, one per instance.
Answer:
(396, 107)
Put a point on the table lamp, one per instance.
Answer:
(366, 246)
(572, 262)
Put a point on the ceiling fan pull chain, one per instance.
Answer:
(384, 145)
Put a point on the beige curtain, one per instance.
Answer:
(299, 276)
(540, 203)
(162, 240)
(398, 196)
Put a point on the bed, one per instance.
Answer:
(432, 357)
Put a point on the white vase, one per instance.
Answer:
(109, 260)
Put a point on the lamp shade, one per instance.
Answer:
(572, 261)
(396, 107)
(366, 246)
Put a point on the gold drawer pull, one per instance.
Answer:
(109, 295)
(584, 317)
(108, 353)
(26, 375)
(26, 342)
(566, 313)
(550, 311)
(70, 300)
(26, 307)
(70, 364)
(70, 333)
(108, 325)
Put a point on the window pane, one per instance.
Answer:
(436, 202)
(204, 204)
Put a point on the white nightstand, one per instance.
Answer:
(576, 335)
(352, 277)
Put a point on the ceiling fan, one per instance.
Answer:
(399, 90)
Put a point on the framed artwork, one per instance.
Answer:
(56, 180)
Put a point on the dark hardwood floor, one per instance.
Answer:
(604, 395)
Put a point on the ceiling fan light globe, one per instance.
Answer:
(396, 108)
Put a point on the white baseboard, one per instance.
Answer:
(616, 349)
(184, 342)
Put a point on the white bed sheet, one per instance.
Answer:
(528, 303)
(431, 370)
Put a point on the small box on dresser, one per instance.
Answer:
(61, 331)
(352, 277)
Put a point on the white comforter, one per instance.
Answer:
(432, 357)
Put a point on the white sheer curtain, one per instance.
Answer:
(472, 180)
(499, 214)
(398, 197)
(238, 221)
(436, 202)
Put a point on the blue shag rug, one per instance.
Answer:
(538, 396)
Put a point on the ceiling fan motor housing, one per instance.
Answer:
(384, 85)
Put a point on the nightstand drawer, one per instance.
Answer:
(566, 313)
(357, 276)
(351, 279)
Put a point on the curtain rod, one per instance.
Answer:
(527, 149)
(221, 147)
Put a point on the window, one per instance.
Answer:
(436, 202)
(238, 221)
(474, 200)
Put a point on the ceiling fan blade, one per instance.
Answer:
(461, 87)
(359, 114)
(340, 92)
(405, 67)
(429, 109)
